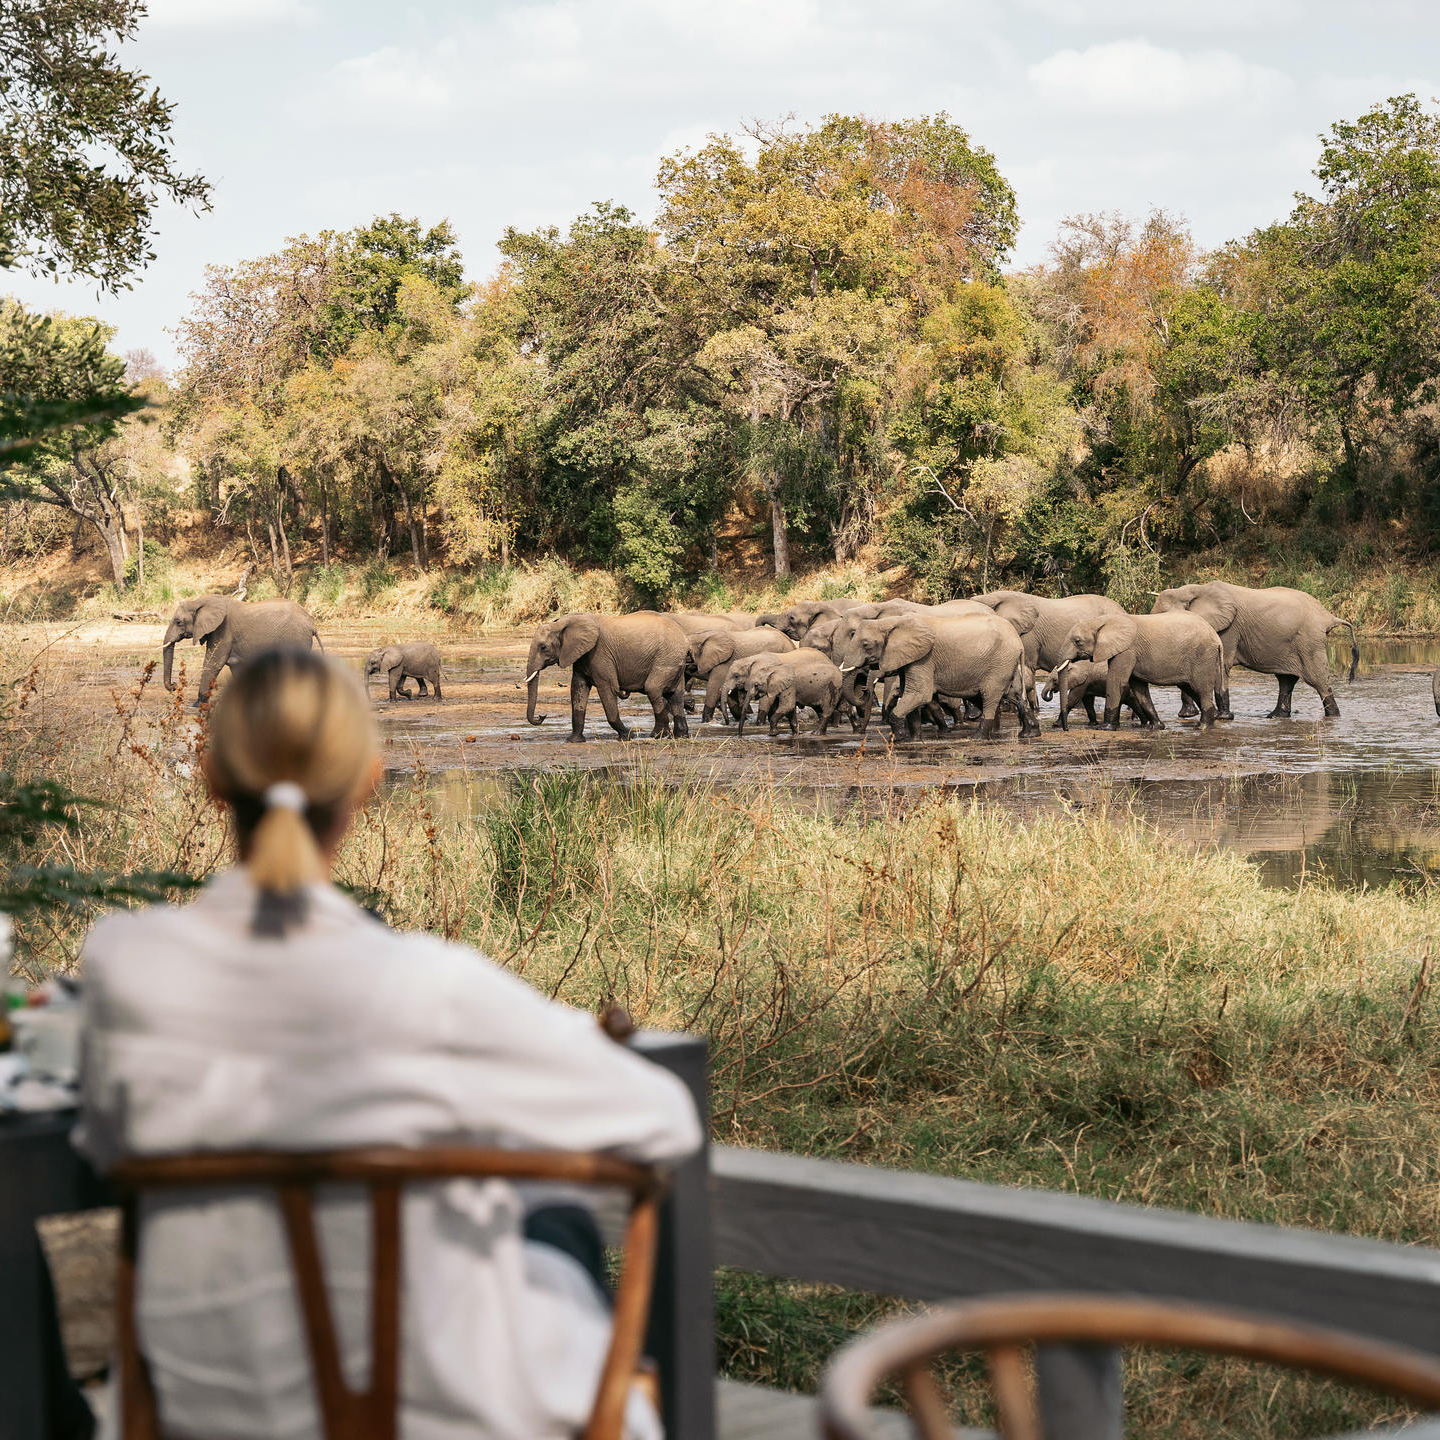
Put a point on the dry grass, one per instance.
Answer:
(1070, 1002)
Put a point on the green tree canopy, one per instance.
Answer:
(85, 149)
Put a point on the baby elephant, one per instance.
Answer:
(417, 660)
(804, 677)
(1083, 683)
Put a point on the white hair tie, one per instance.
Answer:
(286, 795)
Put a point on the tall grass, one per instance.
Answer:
(1071, 1002)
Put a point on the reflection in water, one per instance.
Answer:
(1354, 800)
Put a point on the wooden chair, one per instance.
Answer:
(1004, 1326)
(346, 1415)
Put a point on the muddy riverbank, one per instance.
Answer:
(1355, 799)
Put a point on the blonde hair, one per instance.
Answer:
(295, 719)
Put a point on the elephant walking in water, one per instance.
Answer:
(718, 650)
(1276, 631)
(615, 655)
(1143, 650)
(1044, 624)
(234, 632)
(968, 657)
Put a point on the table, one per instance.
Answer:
(40, 1174)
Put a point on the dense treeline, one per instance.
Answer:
(816, 345)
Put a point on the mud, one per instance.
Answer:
(1356, 799)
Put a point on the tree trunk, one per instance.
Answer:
(113, 536)
(274, 550)
(324, 525)
(285, 555)
(139, 549)
(1352, 460)
(777, 526)
(410, 525)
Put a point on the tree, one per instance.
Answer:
(72, 386)
(809, 262)
(55, 375)
(1349, 286)
(84, 143)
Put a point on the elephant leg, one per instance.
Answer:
(610, 701)
(989, 718)
(1192, 698)
(680, 705)
(1188, 707)
(217, 657)
(714, 687)
(436, 686)
(1088, 701)
(424, 691)
(1315, 673)
(1282, 700)
(579, 702)
(1222, 700)
(659, 708)
(1142, 705)
(1117, 677)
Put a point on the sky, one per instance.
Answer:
(320, 114)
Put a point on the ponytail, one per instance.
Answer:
(291, 746)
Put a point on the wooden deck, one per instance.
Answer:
(750, 1412)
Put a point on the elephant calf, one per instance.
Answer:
(780, 688)
(417, 660)
(1082, 682)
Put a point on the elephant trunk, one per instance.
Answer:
(533, 667)
(168, 652)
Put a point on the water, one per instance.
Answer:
(1355, 800)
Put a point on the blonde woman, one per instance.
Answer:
(274, 1012)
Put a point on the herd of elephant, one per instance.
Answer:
(960, 660)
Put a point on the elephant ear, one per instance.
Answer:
(716, 650)
(908, 644)
(1216, 607)
(209, 616)
(578, 636)
(1021, 611)
(1115, 635)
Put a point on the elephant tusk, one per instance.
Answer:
(1063, 666)
(532, 675)
(846, 669)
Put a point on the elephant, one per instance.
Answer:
(1171, 649)
(795, 621)
(417, 660)
(617, 654)
(778, 690)
(1082, 682)
(881, 608)
(698, 622)
(951, 659)
(1275, 631)
(720, 649)
(735, 693)
(235, 632)
(1044, 623)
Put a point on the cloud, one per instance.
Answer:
(1134, 77)
(1170, 14)
(211, 14)
(391, 84)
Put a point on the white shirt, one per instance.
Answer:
(199, 1035)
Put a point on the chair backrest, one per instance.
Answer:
(1005, 1325)
(372, 1415)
